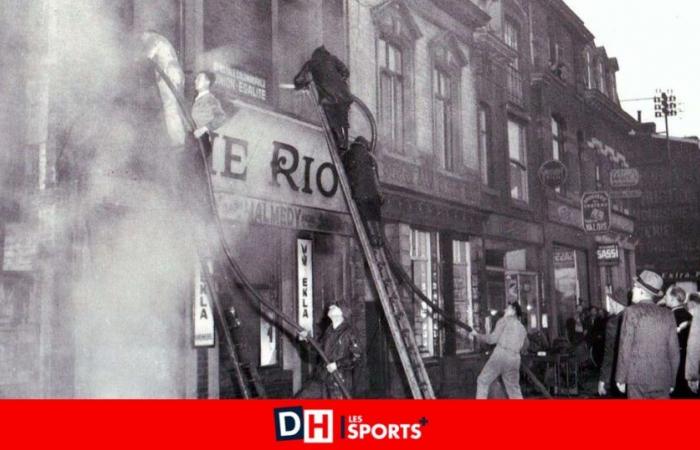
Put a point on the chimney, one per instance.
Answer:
(639, 115)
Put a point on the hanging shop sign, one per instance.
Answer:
(608, 254)
(203, 315)
(235, 82)
(595, 209)
(552, 174)
(624, 178)
(626, 194)
(305, 284)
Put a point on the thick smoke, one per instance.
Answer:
(123, 320)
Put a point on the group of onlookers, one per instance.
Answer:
(652, 349)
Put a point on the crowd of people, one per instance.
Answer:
(651, 349)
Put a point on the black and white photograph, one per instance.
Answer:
(349, 199)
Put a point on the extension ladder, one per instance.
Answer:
(383, 278)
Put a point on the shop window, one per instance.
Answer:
(517, 150)
(391, 94)
(424, 270)
(484, 130)
(269, 340)
(513, 276)
(571, 285)
(463, 290)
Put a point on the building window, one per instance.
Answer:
(511, 36)
(463, 288)
(442, 119)
(512, 276)
(424, 270)
(589, 70)
(517, 150)
(558, 149)
(602, 84)
(391, 94)
(484, 130)
(244, 30)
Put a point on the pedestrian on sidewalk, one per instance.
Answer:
(606, 379)
(649, 354)
(510, 338)
(675, 301)
(692, 362)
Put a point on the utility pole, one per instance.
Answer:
(664, 106)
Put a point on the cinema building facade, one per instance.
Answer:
(451, 86)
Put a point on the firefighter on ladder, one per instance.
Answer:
(331, 78)
(361, 168)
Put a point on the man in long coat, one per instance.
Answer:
(361, 169)
(649, 354)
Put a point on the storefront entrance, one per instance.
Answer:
(571, 282)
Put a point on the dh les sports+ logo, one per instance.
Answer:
(317, 426)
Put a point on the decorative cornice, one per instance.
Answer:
(396, 9)
(573, 20)
(464, 11)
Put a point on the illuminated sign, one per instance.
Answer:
(305, 284)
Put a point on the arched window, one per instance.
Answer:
(397, 33)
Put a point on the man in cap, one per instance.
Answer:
(649, 355)
(342, 349)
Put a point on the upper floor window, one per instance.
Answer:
(442, 119)
(517, 150)
(589, 70)
(558, 150)
(511, 36)
(484, 141)
(397, 32)
(391, 94)
(602, 82)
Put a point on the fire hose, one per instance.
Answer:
(248, 287)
